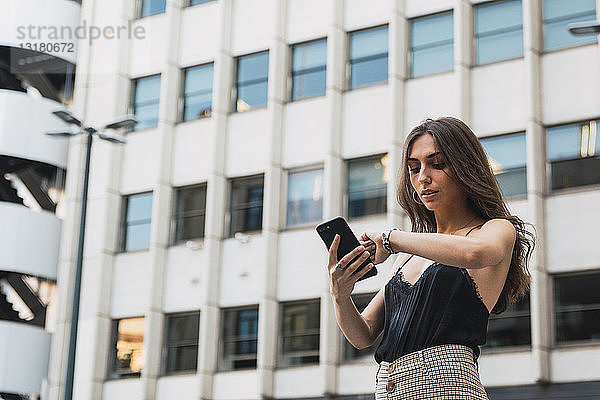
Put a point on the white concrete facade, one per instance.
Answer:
(524, 94)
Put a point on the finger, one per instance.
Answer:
(350, 256)
(362, 272)
(354, 266)
(333, 251)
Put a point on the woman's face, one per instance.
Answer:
(428, 170)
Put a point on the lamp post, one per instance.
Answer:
(585, 27)
(126, 121)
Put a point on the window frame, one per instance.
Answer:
(188, 3)
(175, 217)
(123, 223)
(543, 27)
(166, 347)
(513, 347)
(182, 95)
(111, 374)
(306, 168)
(343, 359)
(132, 95)
(409, 53)
(281, 362)
(524, 133)
(292, 74)
(223, 339)
(235, 91)
(139, 9)
(346, 183)
(349, 62)
(476, 37)
(229, 210)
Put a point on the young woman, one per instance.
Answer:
(466, 257)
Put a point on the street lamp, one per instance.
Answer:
(127, 121)
(585, 28)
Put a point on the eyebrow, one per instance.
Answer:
(429, 156)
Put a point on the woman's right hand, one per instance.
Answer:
(340, 272)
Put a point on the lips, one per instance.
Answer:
(428, 191)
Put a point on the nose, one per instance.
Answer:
(423, 175)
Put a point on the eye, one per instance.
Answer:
(438, 166)
(413, 169)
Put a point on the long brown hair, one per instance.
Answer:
(472, 172)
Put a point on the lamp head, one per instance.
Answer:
(66, 116)
(126, 121)
(585, 27)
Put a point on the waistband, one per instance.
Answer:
(443, 352)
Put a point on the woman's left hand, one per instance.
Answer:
(371, 241)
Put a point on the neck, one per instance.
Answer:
(456, 220)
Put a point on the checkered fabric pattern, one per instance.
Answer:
(448, 371)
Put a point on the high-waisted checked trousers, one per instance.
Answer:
(448, 371)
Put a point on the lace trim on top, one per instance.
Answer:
(473, 283)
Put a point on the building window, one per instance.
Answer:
(368, 57)
(350, 352)
(508, 157)
(309, 67)
(558, 14)
(367, 186)
(145, 100)
(432, 44)
(127, 340)
(572, 152)
(577, 307)
(137, 218)
(196, 99)
(251, 82)
(239, 338)
(299, 342)
(195, 2)
(499, 31)
(512, 327)
(246, 204)
(189, 214)
(181, 342)
(304, 197)
(150, 7)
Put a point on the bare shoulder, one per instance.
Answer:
(497, 238)
(500, 226)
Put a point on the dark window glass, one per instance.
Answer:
(309, 67)
(512, 327)
(127, 357)
(150, 7)
(181, 343)
(350, 352)
(197, 92)
(246, 204)
(577, 307)
(145, 101)
(190, 213)
(136, 222)
(251, 81)
(305, 197)
(558, 14)
(368, 57)
(432, 44)
(239, 338)
(300, 324)
(194, 2)
(367, 186)
(499, 31)
(508, 157)
(573, 152)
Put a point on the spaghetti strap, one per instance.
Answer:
(474, 228)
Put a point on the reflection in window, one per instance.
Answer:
(150, 7)
(499, 31)
(558, 14)
(181, 342)
(145, 101)
(127, 342)
(368, 57)
(299, 343)
(246, 204)
(510, 328)
(239, 338)
(194, 2)
(577, 307)
(251, 81)
(309, 67)
(573, 152)
(197, 92)
(432, 44)
(190, 213)
(350, 352)
(136, 222)
(508, 157)
(305, 197)
(367, 186)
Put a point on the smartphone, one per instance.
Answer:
(348, 242)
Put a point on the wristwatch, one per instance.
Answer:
(385, 239)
